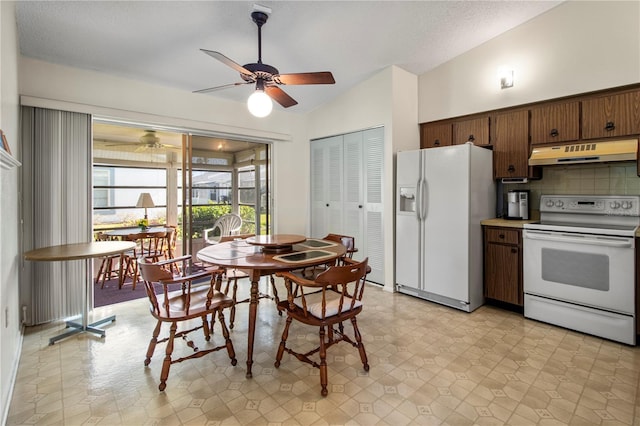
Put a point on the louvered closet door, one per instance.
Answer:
(326, 186)
(346, 192)
(353, 213)
(318, 160)
(372, 243)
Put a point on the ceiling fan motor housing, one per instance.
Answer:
(260, 71)
(149, 138)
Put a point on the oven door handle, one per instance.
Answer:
(576, 238)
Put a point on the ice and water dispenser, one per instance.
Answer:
(407, 201)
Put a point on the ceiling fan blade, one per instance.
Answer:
(117, 144)
(211, 89)
(278, 95)
(324, 77)
(164, 146)
(228, 62)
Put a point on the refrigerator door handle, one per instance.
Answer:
(423, 200)
(419, 200)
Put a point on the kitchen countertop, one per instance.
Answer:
(510, 223)
(505, 223)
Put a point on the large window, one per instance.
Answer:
(225, 176)
(116, 191)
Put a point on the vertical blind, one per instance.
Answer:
(56, 208)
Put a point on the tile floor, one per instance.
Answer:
(430, 365)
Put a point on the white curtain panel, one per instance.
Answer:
(56, 209)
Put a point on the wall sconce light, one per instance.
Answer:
(259, 103)
(145, 200)
(506, 77)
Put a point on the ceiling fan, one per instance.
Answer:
(148, 141)
(266, 77)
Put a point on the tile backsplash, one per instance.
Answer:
(597, 178)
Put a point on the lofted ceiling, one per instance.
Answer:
(159, 41)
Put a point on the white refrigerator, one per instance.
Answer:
(442, 194)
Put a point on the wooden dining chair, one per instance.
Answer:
(150, 245)
(347, 241)
(326, 302)
(169, 246)
(110, 266)
(178, 299)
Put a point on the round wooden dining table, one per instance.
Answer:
(265, 256)
(81, 251)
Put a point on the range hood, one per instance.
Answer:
(585, 152)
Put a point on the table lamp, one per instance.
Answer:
(145, 200)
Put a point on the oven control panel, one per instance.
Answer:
(614, 205)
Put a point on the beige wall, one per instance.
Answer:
(10, 247)
(574, 48)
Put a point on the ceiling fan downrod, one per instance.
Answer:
(260, 18)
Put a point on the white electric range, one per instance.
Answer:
(579, 264)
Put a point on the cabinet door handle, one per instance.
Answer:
(471, 138)
(554, 133)
(511, 168)
(436, 142)
(327, 204)
(359, 206)
(610, 126)
(501, 236)
(514, 250)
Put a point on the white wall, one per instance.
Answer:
(574, 48)
(10, 249)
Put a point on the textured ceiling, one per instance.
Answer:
(160, 42)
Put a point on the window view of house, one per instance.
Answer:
(116, 190)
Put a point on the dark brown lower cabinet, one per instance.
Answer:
(503, 265)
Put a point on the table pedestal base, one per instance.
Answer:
(79, 328)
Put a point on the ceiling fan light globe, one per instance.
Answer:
(259, 104)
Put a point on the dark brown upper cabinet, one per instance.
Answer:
(511, 144)
(558, 122)
(435, 134)
(474, 130)
(612, 115)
